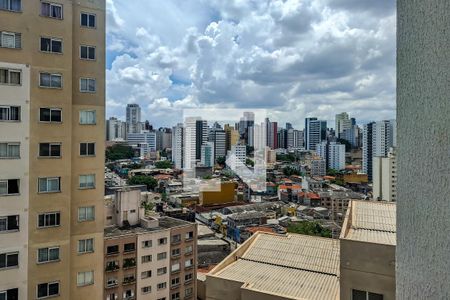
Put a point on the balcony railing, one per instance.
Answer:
(112, 268)
(129, 263)
(129, 280)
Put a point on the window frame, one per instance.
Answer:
(86, 187)
(48, 255)
(87, 149)
(11, 10)
(5, 292)
(88, 111)
(51, 109)
(6, 267)
(48, 290)
(84, 283)
(9, 107)
(47, 179)
(87, 15)
(85, 213)
(7, 187)
(52, 4)
(50, 144)
(9, 76)
(8, 144)
(87, 52)
(45, 214)
(87, 91)
(51, 45)
(6, 218)
(15, 34)
(51, 75)
(86, 250)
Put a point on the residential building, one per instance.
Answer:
(133, 118)
(236, 157)
(194, 136)
(318, 167)
(282, 138)
(145, 141)
(245, 122)
(163, 138)
(116, 130)
(315, 132)
(368, 242)
(207, 156)
(226, 194)
(218, 138)
(271, 134)
(52, 81)
(343, 123)
(333, 154)
(232, 136)
(147, 257)
(385, 177)
(177, 145)
(307, 269)
(378, 138)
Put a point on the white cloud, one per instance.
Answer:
(293, 57)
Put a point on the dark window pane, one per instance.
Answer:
(45, 44)
(58, 219)
(45, 9)
(83, 149)
(91, 53)
(44, 149)
(91, 21)
(41, 220)
(2, 260)
(91, 148)
(53, 289)
(13, 186)
(52, 220)
(374, 296)
(358, 295)
(84, 20)
(84, 52)
(56, 115)
(12, 260)
(56, 150)
(56, 46)
(13, 222)
(45, 114)
(12, 294)
(42, 290)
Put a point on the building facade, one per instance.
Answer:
(177, 145)
(333, 154)
(133, 118)
(207, 157)
(385, 177)
(315, 132)
(52, 83)
(116, 130)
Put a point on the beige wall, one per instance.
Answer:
(16, 169)
(367, 267)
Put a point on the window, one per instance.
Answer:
(112, 266)
(112, 281)
(10, 40)
(11, 294)
(47, 289)
(129, 279)
(87, 181)
(175, 267)
(189, 235)
(176, 296)
(176, 252)
(51, 10)
(188, 277)
(162, 241)
(147, 244)
(130, 247)
(9, 260)
(85, 278)
(363, 295)
(188, 250)
(87, 117)
(188, 292)
(49, 185)
(129, 263)
(49, 149)
(161, 271)
(146, 289)
(175, 281)
(12, 5)
(112, 249)
(128, 294)
(88, 20)
(87, 85)
(146, 258)
(9, 150)
(87, 52)
(49, 80)
(189, 263)
(161, 286)
(87, 149)
(146, 274)
(86, 246)
(161, 256)
(11, 77)
(9, 187)
(51, 45)
(176, 239)
(9, 223)
(86, 213)
(48, 254)
(49, 219)
(9, 113)
(50, 115)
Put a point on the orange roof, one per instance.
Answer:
(287, 180)
(329, 177)
(162, 177)
(353, 167)
(270, 184)
(259, 228)
(290, 187)
(313, 196)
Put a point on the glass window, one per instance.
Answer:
(87, 181)
(161, 256)
(9, 113)
(11, 294)
(88, 20)
(10, 40)
(9, 150)
(87, 149)
(49, 219)
(48, 254)
(161, 285)
(147, 244)
(52, 45)
(85, 278)
(86, 213)
(13, 5)
(161, 271)
(51, 10)
(87, 52)
(112, 249)
(129, 247)
(87, 85)
(9, 187)
(50, 80)
(47, 289)
(87, 117)
(50, 149)
(11, 77)
(49, 185)
(9, 260)
(9, 223)
(86, 246)
(50, 115)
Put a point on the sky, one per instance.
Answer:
(294, 58)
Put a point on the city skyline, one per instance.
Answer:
(342, 59)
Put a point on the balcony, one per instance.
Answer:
(112, 268)
(129, 280)
(129, 263)
(110, 285)
(175, 286)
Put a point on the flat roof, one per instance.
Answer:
(372, 222)
(293, 266)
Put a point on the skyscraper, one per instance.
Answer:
(177, 145)
(52, 82)
(218, 137)
(116, 130)
(378, 138)
(343, 123)
(133, 118)
(271, 134)
(315, 132)
(385, 177)
(207, 158)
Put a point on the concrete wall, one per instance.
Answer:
(367, 267)
(423, 114)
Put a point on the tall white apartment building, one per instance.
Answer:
(133, 118)
(177, 145)
(342, 123)
(116, 130)
(333, 154)
(144, 141)
(385, 177)
(236, 155)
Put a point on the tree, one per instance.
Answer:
(119, 151)
(149, 181)
(249, 150)
(309, 228)
(286, 157)
(332, 172)
(163, 164)
(249, 162)
(288, 171)
(221, 160)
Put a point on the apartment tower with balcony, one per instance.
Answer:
(52, 82)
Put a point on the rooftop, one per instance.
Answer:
(292, 266)
(371, 221)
